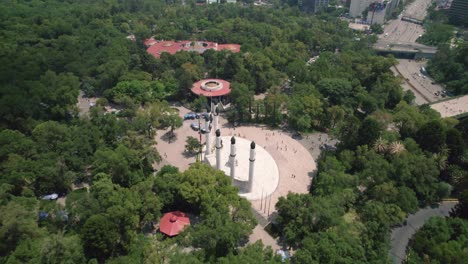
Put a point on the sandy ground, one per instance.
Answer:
(84, 103)
(260, 234)
(294, 158)
(452, 107)
(63, 200)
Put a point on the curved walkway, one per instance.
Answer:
(401, 235)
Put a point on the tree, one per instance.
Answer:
(455, 145)
(376, 28)
(381, 145)
(299, 215)
(126, 166)
(59, 93)
(386, 214)
(228, 219)
(331, 247)
(440, 240)
(396, 148)
(200, 103)
(192, 145)
(18, 223)
(255, 252)
(149, 204)
(431, 136)
(304, 112)
(369, 131)
(58, 248)
(461, 209)
(336, 90)
(100, 237)
(172, 120)
(242, 98)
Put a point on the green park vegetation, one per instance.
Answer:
(438, 29)
(393, 157)
(441, 240)
(450, 67)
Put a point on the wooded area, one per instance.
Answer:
(393, 156)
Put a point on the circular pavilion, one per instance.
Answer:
(212, 88)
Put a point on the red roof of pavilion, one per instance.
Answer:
(173, 223)
(232, 47)
(225, 88)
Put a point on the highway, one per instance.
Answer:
(402, 45)
(403, 31)
(402, 35)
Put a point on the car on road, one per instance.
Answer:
(194, 126)
(189, 116)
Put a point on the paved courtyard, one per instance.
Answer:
(452, 107)
(295, 159)
(295, 163)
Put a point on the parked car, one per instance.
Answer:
(194, 126)
(49, 197)
(189, 116)
(205, 115)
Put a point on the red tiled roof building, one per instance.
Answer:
(156, 48)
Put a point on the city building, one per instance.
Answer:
(357, 7)
(312, 5)
(380, 11)
(458, 13)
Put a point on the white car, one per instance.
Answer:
(53, 196)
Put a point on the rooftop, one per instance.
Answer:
(211, 87)
(157, 47)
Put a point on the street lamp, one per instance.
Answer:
(199, 133)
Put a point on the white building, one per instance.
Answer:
(357, 7)
(313, 5)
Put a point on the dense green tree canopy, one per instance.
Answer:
(294, 70)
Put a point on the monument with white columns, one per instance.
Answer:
(216, 114)
(208, 121)
(218, 149)
(251, 168)
(232, 159)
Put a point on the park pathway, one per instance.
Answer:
(401, 235)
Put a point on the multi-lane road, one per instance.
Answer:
(403, 31)
(400, 33)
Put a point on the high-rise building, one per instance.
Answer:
(314, 5)
(357, 7)
(380, 11)
(458, 13)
